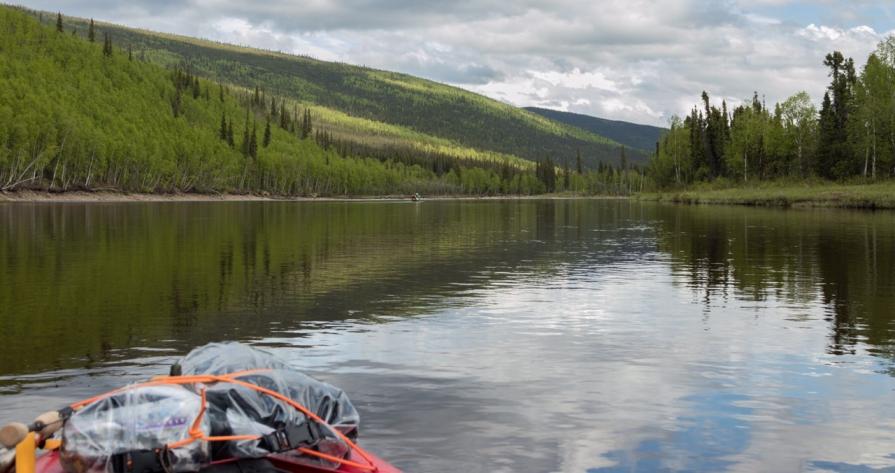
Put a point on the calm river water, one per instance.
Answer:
(521, 336)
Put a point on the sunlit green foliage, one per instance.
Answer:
(78, 115)
(74, 115)
(852, 136)
(465, 119)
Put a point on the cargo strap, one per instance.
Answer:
(281, 438)
(291, 437)
(142, 461)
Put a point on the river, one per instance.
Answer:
(528, 336)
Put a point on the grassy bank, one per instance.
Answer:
(786, 194)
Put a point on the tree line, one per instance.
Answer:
(852, 136)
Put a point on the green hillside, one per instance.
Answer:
(425, 107)
(78, 111)
(640, 137)
(81, 114)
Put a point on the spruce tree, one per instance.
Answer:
(566, 176)
(107, 44)
(306, 127)
(578, 163)
(266, 141)
(836, 159)
(222, 133)
(91, 32)
(230, 140)
(825, 159)
(245, 137)
(253, 143)
(59, 23)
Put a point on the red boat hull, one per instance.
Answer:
(49, 463)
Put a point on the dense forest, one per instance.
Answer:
(79, 111)
(851, 137)
(409, 102)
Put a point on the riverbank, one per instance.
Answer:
(824, 194)
(112, 196)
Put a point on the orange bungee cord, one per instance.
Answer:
(196, 433)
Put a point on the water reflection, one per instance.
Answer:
(840, 264)
(524, 336)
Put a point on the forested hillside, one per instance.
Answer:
(422, 106)
(632, 135)
(78, 111)
(851, 137)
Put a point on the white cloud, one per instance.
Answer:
(640, 60)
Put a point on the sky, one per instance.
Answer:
(636, 60)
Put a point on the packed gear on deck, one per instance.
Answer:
(224, 403)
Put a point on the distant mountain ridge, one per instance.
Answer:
(641, 137)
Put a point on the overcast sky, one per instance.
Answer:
(636, 60)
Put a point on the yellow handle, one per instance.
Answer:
(26, 454)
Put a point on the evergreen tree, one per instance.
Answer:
(176, 103)
(222, 133)
(221, 92)
(306, 127)
(253, 143)
(578, 162)
(230, 141)
(545, 171)
(696, 126)
(107, 44)
(567, 184)
(59, 28)
(266, 141)
(284, 117)
(91, 32)
(245, 137)
(835, 159)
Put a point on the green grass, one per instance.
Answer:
(787, 194)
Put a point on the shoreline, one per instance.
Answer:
(876, 196)
(31, 196)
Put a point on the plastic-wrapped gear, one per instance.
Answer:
(239, 410)
(138, 419)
